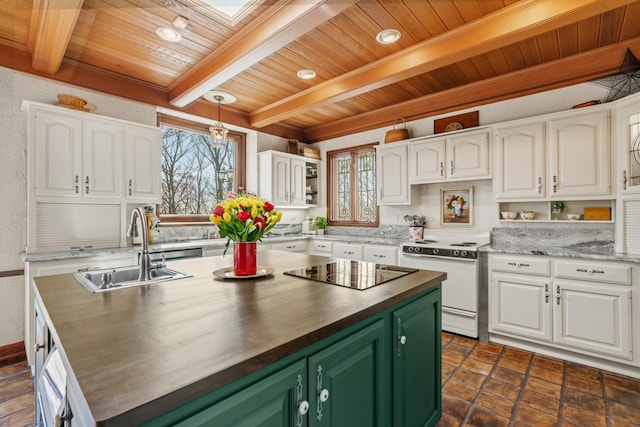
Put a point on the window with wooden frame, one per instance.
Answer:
(351, 176)
(196, 175)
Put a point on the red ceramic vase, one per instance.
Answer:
(244, 258)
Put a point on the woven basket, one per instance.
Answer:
(394, 134)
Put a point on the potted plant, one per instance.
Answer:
(321, 223)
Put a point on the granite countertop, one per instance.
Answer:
(200, 243)
(580, 251)
(139, 352)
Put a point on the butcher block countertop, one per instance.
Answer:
(136, 353)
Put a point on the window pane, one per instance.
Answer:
(342, 208)
(366, 188)
(195, 176)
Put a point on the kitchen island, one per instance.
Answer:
(189, 350)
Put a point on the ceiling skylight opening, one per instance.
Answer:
(388, 36)
(306, 74)
(228, 7)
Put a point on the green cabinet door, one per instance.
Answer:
(417, 363)
(347, 381)
(271, 402)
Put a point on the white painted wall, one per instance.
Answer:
(16, 87)
(426, 197)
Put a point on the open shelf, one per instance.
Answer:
(545, 213)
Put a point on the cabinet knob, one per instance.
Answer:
(38, 347)
(323, 395)
(303, 407)
(403, 340)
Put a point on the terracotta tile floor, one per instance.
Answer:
(486, 384)
(483, 384)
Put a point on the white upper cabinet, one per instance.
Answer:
(564, 156)
(283, 178)
(427, 160)
(143, 154)
(628, 136)
(520, 155)
(298, 181)
(102, 158)
(80, 155)
(460, 156)
(579, 156)
(77, 157)
(392, 174)
(468, 155)
(58, 167)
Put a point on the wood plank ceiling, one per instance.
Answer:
(452, 54)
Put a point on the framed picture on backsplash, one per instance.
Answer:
(456, 206)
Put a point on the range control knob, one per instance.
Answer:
(456, 253)
(464, 253)
(435, 251)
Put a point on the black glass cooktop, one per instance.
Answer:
(359, 275)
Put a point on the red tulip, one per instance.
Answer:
(244, 216)
(259, 222)
(218, 210)
(268, 207)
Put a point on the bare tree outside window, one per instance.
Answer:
(195, 175)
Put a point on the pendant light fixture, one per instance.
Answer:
(218, 131)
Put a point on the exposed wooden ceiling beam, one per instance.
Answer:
(284, 22)
(52, 24)
(88, 77)
(563, 72)
(517, 22)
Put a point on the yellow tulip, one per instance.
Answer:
(216, 219)
(254, 211)
(226, 217)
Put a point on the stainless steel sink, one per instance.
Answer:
(119, 278)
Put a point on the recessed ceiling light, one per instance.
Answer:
(388, 36)
(169, 34)
(306, 74)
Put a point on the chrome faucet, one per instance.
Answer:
(145, 261)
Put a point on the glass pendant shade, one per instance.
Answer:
(219, 132)
(219, 135)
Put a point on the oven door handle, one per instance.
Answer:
(459, 312)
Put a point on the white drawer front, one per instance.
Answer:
(300, 246)
(597, 272)
(381, 254)
(347, 251)
(322, 246)
(521, 265)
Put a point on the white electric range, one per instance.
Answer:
(463, 302)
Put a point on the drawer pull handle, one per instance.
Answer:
(519, 264)
(590, 271)
(546, 293)
(557, 295)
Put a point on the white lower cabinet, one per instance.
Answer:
(572, 305)
(519, 305)
(381, 254)
(593, 317)
(352, 251)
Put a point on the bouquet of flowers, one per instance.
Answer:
(244, 217)
(457, 204)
